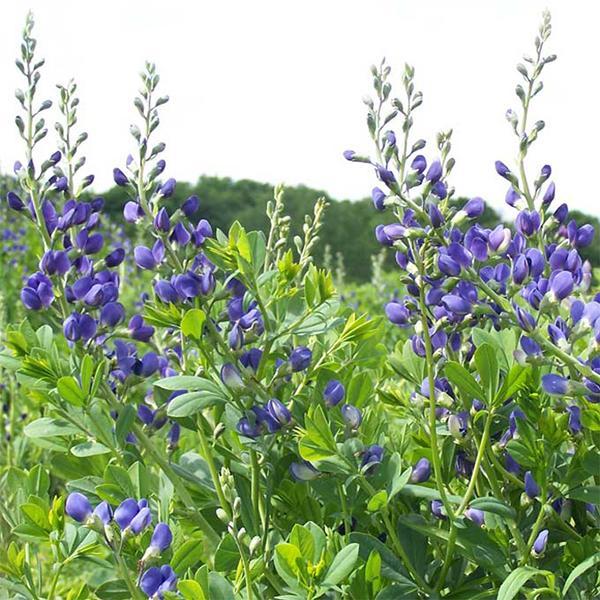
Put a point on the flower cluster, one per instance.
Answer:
(131, 518)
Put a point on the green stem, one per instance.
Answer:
(185, 497)
(212, 467)
(534, 533)
(345, 515)
(55, 579)
(435, 454)
(257, 505)
(485, 437)
(133, 590)
(395, 540)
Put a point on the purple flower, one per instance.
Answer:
(279, 411)
(419, 163)
(190, 206)
(352, 416)
(139, 330)
(154, 582)
(120, 177)
(448, 265)
(230, 376)
(561, 284)
(112, 314)
(78, 507)
(532, 489)
(371, 457)
(474, 208)
(132, 212)
(161, 538)
(434, 173)
(165, 292)
(349, 154)
(503, 170)
(539, 546)
(549, 194)
(162, 221)
(574, 418)
(397, 313)
(14, 201)
(38, 293)
(300, 358)
(144, 258)
(125, 512)
(475, 515)
(303, 471)
(167, 188)
(528, 222)
(103, 512)
(436, 508)
(250, 429)
(378, 197)
(555, 385)
(333, 393)
(421, 471)
(115, 258)
(584, 237)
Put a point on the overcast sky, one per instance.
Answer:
(271, 89)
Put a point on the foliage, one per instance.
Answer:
(193, 411)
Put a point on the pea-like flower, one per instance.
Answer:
(352, 416)
(160, 541)
(475, 515)
(421, 471)
(333, 393)
(303, 471)
(156, 581)
(300, 358)
(539, 546)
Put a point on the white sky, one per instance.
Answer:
(271, 89)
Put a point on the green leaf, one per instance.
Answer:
(115, 589)
(69, 390)
(48, 427)
(318, 442)
(86, 371)
(516, 580)
(514, 381)
(89, 449)
(191, 590)
(487, 367)
(227, 555)
(378, 501)
(396, 478)
(303, 539)
(288, 562)
(342, 565)
(182, 382)
(464, 381)
(187, 555)
(189, 404)
(219, 588)
(391, 566)
(124, 422)
(193, 323)
(580, 569)
(590, 493)
(495, 506)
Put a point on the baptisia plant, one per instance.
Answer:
(203, 408)
(502, 366)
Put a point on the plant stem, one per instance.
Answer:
(133, 590)
(466, 498)
(395, 540)
(212, 467)
(55, 579)
(534, 533)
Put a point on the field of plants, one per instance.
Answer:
(212, 413)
